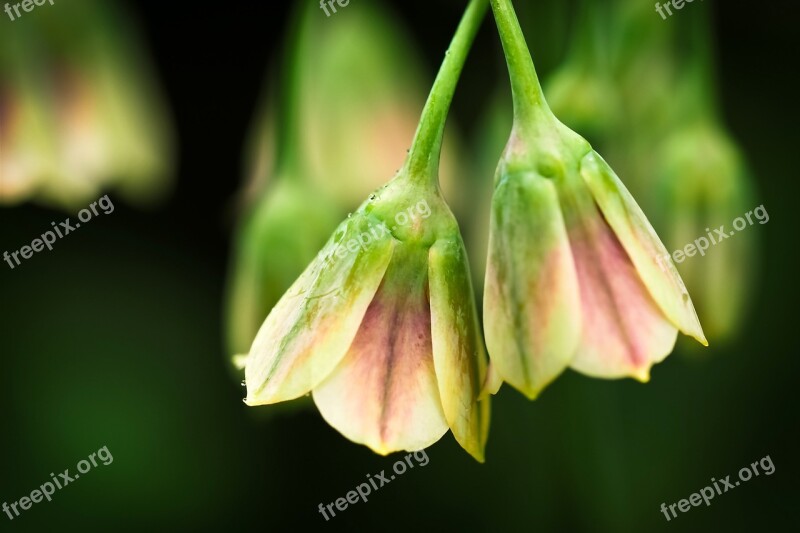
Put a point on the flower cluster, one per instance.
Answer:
(387, 337)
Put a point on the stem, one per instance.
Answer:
(525, 89)
(422, 163)
(703, 67)
(290, 138)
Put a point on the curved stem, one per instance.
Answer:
(525, 88)
(422, 163)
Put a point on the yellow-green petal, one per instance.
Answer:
(458, 352)
(642, 245)
(531, 305)
(310, 329)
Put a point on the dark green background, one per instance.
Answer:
(114, 338)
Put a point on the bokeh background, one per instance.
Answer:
(115, 338)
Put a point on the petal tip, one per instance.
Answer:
(643, 375)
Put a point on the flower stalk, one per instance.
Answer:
(422, 164)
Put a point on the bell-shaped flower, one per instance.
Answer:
(85, 114)
(574, 275)
(317, 150)
(701, 191)
(360, 87)
(382, 327)
(581, 92)
(700, 188)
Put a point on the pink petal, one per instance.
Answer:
(624, 330)
(384, 393)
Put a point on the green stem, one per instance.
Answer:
(526, 91)
(702, 61)
(290, 138)
(422, 164)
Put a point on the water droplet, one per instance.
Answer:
(349, 215)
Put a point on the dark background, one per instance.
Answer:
(114, 338)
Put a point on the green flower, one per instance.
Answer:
(703, 185)
(574, 275)
(98, 118)
(318, 151)
(382, 326)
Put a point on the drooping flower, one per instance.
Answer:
(319, 146)
(701, 182)
(360, 87)
(382, 326)
(582, 92)
(85, 113)
(701, 185)
(574, 276)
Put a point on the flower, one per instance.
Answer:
(83, 111)
(574, 276)
(320, 144)
(703, 182)
(381, 328)
(278, 236)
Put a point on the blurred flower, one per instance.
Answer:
(86, 114)
(690, 173)
(487, 147)
(703, 183)
(382, 326)
(573, 276)
(582, 91)
(275, 241)
(362, 86)
(330, 142)
(27, 151)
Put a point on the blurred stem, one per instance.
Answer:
(529, 102)
(290, 137)
(702, 68)
(422, 163)
(590, 43)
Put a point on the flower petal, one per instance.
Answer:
(384, 392)
(310, 329)
(458, 353)
(642, 245)
(624, 331)
(531, 302)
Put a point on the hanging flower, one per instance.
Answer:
(574, 276)
(382, 326)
